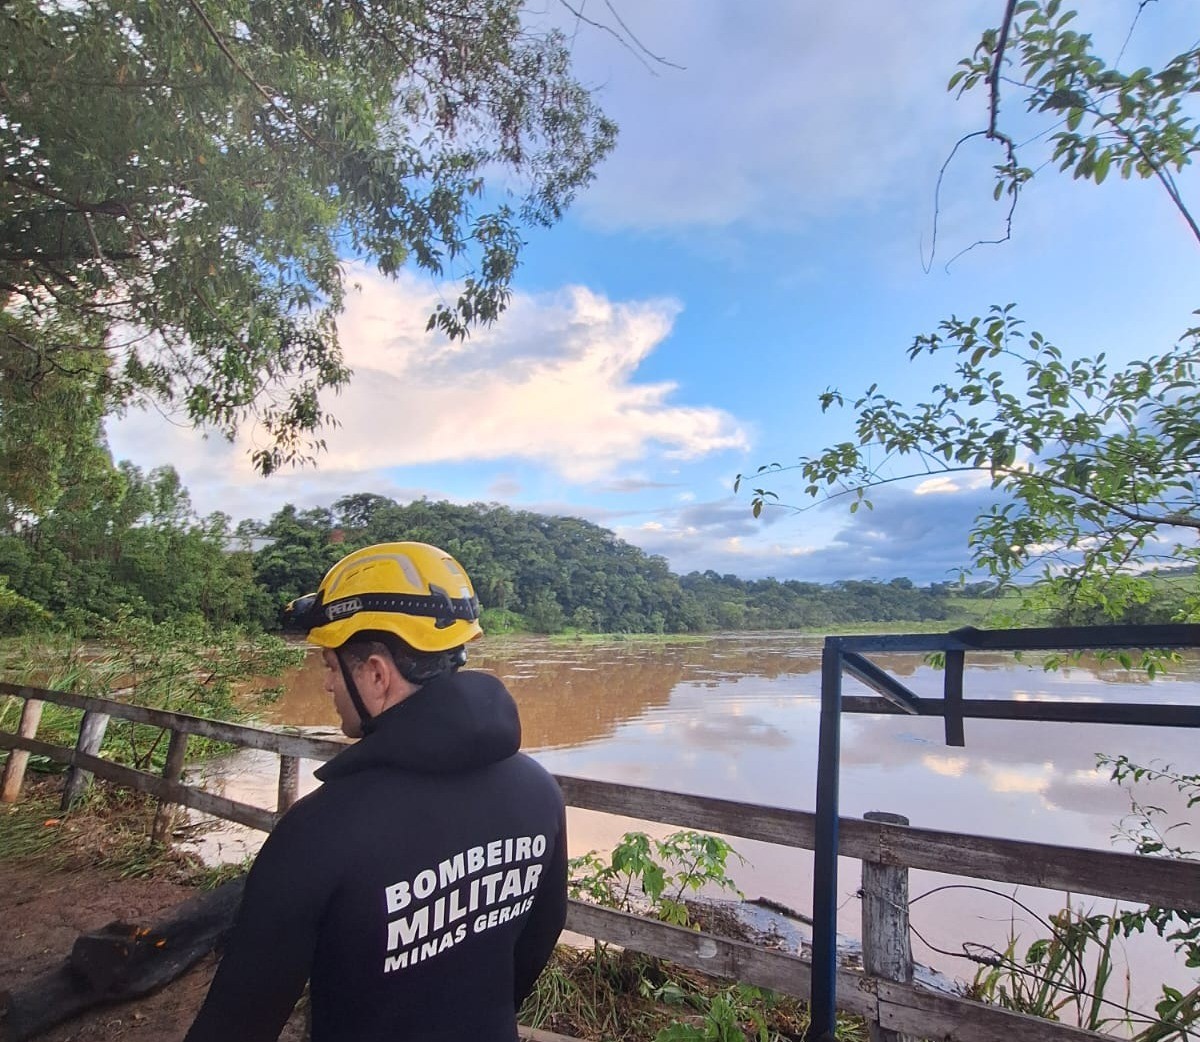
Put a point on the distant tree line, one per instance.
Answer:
(548, 574)
(122, 542)
(125, 542)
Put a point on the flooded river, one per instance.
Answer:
(736, 717)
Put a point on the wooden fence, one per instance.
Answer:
(896, 1008)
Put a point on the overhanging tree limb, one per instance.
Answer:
(244, 161)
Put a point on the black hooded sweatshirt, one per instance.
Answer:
(420, 889)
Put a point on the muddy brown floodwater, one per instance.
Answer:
(736, 717)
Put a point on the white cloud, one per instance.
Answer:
(554, 382)
(782, 113)
(936, 486)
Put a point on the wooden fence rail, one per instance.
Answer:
(896, 1008)
(1100, 873)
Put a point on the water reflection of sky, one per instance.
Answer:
(754, 738)
(737, 718)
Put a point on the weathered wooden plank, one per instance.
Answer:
(289, 783)
(887, 951)
(792, 828)
(164, 817)
(91, 737)
(229, 810)
(733, 960)
(18, 760)
(236, 734)
(1172, 883)
(1102, 873)
(172, 792)
(947, 1018)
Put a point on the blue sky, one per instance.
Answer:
(756, 237)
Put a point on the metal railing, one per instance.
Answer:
(843, 656)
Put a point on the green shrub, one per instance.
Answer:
(19, 614)
(662, 871)
(181, 666)
(501, 620)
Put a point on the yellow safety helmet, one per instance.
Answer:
(413, 590)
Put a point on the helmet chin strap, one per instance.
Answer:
(366, 720)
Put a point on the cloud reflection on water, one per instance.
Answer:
(737, 717)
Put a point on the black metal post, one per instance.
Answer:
(823, 1006)
(952, 698)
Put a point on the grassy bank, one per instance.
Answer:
(107, 831)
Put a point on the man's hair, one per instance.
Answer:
(417, 667)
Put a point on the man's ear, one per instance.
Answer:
(376, 673)
(379, 670)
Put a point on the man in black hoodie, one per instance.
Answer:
(421, 889)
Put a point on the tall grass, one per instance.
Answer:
(181, 666)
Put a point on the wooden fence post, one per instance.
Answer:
(164, 816)
(91, 736)
(887, 952)
(18, 759)
(289, 782)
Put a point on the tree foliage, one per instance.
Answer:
(124, 543)
(182, 183)
(1094, 464)
(1146, 827)
(121, 543)
(553, 573)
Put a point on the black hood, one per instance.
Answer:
(457, 722)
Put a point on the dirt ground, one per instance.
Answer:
(42, 914)
(50, 895)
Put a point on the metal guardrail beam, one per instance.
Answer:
(843, 655)
(1143, 714)
(1048, 638)
(879, 680)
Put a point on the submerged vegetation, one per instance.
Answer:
(107, 829)
(1070, 974)
(622, 996)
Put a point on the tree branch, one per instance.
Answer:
(994, 77)
(1138, 515)
(245, 74)
(622, 40)
(1164, 176)
(993, 133)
